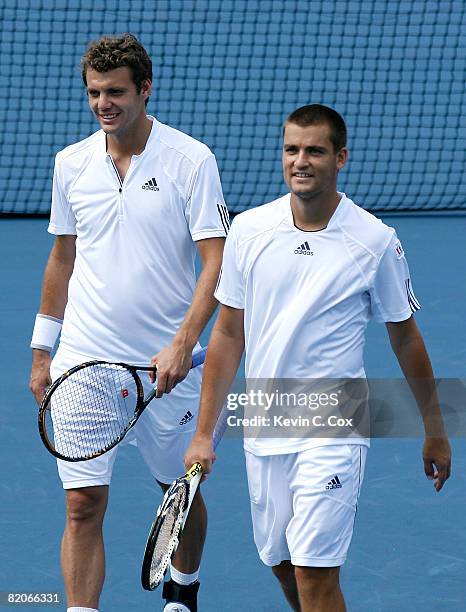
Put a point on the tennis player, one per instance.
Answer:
(301, 277)
(130, 205)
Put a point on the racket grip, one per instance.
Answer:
(199, 357)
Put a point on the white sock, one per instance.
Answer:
(175, 607)
(183, 579)
(80, 609)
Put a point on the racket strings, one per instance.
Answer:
(167, 530)
(92, 408)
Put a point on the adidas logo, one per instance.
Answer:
(187, 417)
(334, 483)
(152, 185)
(304, 249)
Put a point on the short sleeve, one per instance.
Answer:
(62, 219)
(206, 211)
(230, 286)
(392, 296)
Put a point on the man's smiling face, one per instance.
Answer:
(310, 162)
(115, 101)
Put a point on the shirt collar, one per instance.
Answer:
(154, 133)
(333, 219)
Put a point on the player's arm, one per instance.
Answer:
(226, 347)
(54, 297)
(409, 348)
(173, 361)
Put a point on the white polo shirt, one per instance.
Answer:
(307, 296)
(134, 275)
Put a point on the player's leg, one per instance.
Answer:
(82, 552)
(319, 589)
(325, 483)
(271, 511)
(285, 573)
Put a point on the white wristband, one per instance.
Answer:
(46, 332)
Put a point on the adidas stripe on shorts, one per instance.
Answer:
(303, 504)
(162, 433)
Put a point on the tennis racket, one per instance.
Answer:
(91, 407)
(172, 513)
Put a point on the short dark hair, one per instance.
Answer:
(110, 52)
(316, 114)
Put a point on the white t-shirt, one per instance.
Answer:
(134, 275)
(307, 296)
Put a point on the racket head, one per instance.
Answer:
(163, 538)
(89, 409)
(165, 532)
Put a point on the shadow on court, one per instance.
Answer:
(409, 543)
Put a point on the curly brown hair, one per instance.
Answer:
(110, 52)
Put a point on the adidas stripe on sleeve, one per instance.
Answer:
(413, 302)
(224, 216)
(392, 295)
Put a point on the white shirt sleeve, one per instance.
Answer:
(62, 219)
(230, 286)
(392, 297)
(206, 211)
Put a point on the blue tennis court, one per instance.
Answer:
(228, 72)
(409, 544)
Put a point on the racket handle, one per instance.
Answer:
(220, 426)
(199, 357)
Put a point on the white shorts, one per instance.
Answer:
(162, 433)
(303, 504)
